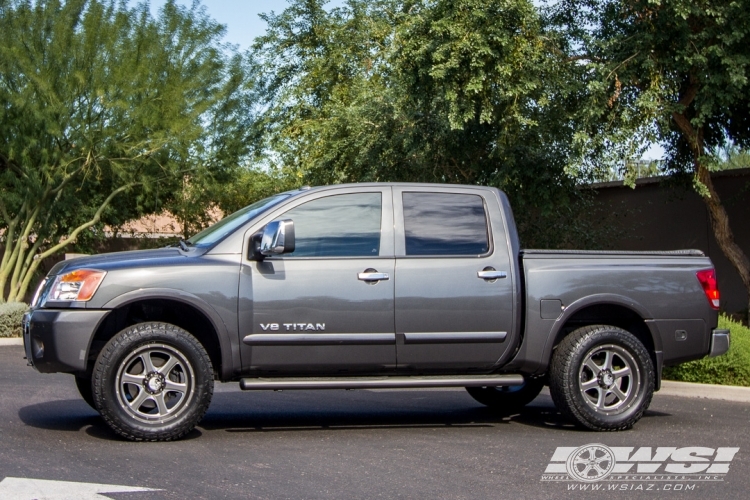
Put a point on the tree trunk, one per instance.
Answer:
(719, 218)
(722, 230)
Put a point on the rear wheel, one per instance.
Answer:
(602, 377)
(153, 381)
(508, 398)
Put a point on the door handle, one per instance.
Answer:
(371, 275)
(491, 274)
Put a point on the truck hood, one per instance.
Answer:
(125, 260)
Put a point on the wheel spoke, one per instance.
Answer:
(148, 365)
(161, 404)
(599, 469)
(593, 367)
(175, 387)
(607, 360)
(139, 399)
(167, 367)
(620, 395)
(127, 378)
(622, 372)
(590, 384)
(600, 398)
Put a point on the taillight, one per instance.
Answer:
(707, 277)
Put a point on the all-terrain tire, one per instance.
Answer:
(153, 382)
(85, 390)
(507, 399)
(602, 377)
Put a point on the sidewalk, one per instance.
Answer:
(705, 391)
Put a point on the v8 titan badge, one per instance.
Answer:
(591, 462)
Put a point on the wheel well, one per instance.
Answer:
(174, 312)
(610, 314)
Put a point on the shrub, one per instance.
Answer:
(10, 318)
(733, 368)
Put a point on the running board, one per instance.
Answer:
(255, 384)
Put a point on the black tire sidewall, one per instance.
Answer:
(564, 383)
(83, 384)
(121, 346)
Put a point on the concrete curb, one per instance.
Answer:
(705, 391)
(11, 341)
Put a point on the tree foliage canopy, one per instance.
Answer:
(672, 71)
(461, 91)
(105, 110)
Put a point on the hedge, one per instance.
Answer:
(733, 368)
(10, 318)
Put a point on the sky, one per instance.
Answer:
(243, 24)
(240, 16)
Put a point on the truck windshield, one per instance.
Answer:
(228, 224)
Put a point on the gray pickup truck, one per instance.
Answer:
(371, 286)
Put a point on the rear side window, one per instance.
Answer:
(445, 224)
(346, 225)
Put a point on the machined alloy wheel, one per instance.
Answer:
(153, 382)
(602, 377)
(609, 378)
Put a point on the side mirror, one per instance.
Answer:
(277, 238)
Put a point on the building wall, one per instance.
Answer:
(654, 216)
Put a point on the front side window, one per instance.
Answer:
(346, 225)
(445, 224)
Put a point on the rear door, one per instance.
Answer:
(454, 281)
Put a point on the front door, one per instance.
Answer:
(327, 307)
(454, 285)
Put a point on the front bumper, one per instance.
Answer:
(58, 340)
(719, 343)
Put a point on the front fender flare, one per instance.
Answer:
(229, 346)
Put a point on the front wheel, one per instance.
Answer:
(602, 377)
(153, 382)
(84, 389)
(510, 398)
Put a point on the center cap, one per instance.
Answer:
(154, 383)
(606, 379)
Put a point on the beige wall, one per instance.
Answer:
(657, 217)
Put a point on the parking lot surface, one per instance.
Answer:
(355, 444)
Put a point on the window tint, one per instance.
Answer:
(346, 225)
(445, 224)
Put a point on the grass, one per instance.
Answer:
(733, 368)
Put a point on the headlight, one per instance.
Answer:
(80, 285)
(38, 294)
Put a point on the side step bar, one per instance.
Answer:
(255, 384)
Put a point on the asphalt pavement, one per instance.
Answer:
(423, 444)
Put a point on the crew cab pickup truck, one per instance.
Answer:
(371, 286)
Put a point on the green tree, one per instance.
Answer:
(105, 111)
(461, 91)
(670, 71)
